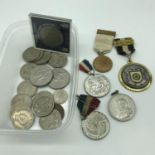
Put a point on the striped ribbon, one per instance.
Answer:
(85, 66)
(86, 104)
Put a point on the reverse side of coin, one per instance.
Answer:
(26, 88)
(41, 75)
(97, 85)
(96, 126)
(60, 96)
(61, 78)
(122, 107)
(102, 64)
(60, 109)
(58, 60)
(31, 54)
(43, 103)
(26, 69)
(51, 121)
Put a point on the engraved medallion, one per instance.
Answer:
(97, 85)
(96, 126)
(135, 77)
(122, 107)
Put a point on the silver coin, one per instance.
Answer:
(22, 118)
(61, 78)
(26, 88)
(44, 59)
(121, 107)
(26, 69)
(97, 85)
(60, 109)
(96, 125)
(58, 60)
(51, 121)
(31, 54)
(43, 103)
(60, 96)
(41, 75)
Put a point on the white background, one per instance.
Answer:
(127, 18)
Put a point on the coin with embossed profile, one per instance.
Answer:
(121, 107)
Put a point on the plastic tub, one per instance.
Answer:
(16, 39)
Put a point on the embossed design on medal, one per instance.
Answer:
(96, 125)
(133, 76)
(121, 107)
(103, 44)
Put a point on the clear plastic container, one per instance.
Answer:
(16, 39)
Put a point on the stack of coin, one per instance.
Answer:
(42, 69)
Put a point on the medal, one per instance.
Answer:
(133, 76)
(96, 85)
(103, 44)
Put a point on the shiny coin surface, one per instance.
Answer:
(45, 57)
(26, 69)
(97, 85)
(41, 75)
(31, 54)
(26, 88)
(121, 107)
(96, 125)
(102, 64)
(22, 118)
(60, 109)
(58, 60)
(60, 96)
(51, 121)
(135, 77)
(61, 78)
(43, 103)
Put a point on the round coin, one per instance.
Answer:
(102, 64)
(43, 103)
(97, 85)
(26, 69)
(60, 96)
(51, 121)
(22, 118)
(135, 77)
(26, 88)
(41, 75)
(60, 109)
(58, 60)
(31, 54)
(121, 107)
(96, 126)
(61, 78)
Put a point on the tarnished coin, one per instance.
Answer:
(135, 77)
(26, 88)
(96, 126)
(60, 96)
(44, 59)
(97, 85)
(41, 75)
(26, 69)
(51, 121)
(22, 118)
(58, 60)
(102, 64)
(43, 103)
(21, 99)
(31, 54)
(121, 107)
(60, 109)
(61, 78)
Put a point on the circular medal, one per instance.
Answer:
(102, 64)
(121, 107)
(97, 85)
(135, 77)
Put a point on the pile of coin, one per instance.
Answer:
(43, 69)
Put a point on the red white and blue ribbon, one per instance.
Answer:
(85, 66)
